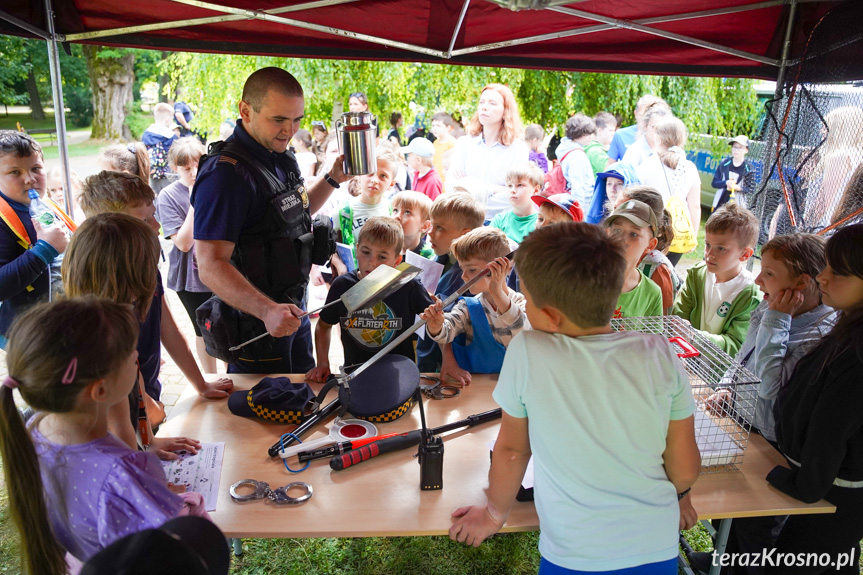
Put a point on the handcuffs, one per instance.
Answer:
(279, 495)
(436, 390)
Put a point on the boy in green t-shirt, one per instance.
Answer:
(634, 224)
(523, 181)
(597, 149)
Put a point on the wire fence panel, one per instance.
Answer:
(811, 165)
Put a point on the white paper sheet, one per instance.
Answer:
(431, 270)
(715, 445)
(429, 277)
(201, 471)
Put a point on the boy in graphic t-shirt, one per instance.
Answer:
(365, 332)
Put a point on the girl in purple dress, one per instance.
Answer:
(73, 486)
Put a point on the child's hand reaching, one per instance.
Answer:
(473, 525)
(500, 269)
(719, 403)
(165, 447)
(786, 301)
(219, 389)
(319, 374)
(434, 316)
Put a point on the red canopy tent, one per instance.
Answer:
(685, 37)
(692, 37)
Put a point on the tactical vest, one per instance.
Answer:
(276, 254)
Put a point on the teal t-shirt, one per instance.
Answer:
(515, 227)
(598, 410)
(643, 301)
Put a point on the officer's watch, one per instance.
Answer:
(329, 179)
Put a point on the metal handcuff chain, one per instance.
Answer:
(436, 390)
(278, 496)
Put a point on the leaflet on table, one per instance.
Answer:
(429, 277)
(201, 472)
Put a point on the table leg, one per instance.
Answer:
(237, 543)
(720, 542)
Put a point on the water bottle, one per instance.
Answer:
(42, 213)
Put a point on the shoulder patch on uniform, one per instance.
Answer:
(228, 160)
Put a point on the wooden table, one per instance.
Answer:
(381, 497)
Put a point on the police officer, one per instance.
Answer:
(247, 241)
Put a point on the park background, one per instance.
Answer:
(109, 93)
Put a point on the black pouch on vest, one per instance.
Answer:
(325, 240)
(223, 327)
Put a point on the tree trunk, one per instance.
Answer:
(36, 111)
(163, 79)
(111, 80)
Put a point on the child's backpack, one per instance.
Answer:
(158, 161)
(555, 182)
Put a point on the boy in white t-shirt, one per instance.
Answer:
(370, 202)
(607, 416)
(719, 295)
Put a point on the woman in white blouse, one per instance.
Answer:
(671, 174)
(493, 144)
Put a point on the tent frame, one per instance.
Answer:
(274, 15)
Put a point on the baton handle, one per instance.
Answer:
(374, 449)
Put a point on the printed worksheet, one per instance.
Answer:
(201, 471)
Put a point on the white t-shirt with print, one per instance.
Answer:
(718, 298)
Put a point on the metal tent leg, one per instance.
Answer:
(59, 106)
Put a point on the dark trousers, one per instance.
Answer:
(832, 534)
(295, 354)
(674, 258)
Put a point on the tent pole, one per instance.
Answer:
(457, 28)
(786, 49)
(22, 24)
(630, 25)
(603, 27)
(59, 109)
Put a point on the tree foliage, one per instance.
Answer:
(716, 106)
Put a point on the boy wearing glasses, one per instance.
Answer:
(734, 176)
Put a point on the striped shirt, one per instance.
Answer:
(503, 326)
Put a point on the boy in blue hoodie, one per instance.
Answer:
(608, 186)
(158, 139)
(26, 250)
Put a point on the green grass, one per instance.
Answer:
(9, 122)
(88, 148)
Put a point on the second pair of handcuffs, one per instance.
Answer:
(437, 390)
(278, 496)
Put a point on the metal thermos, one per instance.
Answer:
(357, 132)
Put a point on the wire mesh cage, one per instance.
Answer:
(725, 392)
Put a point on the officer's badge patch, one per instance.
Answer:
(305, 195)
(228, 160)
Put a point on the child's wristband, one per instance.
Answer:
(683, 494)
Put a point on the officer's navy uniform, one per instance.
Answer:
(230, 205)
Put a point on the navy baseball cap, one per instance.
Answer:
(565, 202)
(274, 399)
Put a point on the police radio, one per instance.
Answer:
(430, 454)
